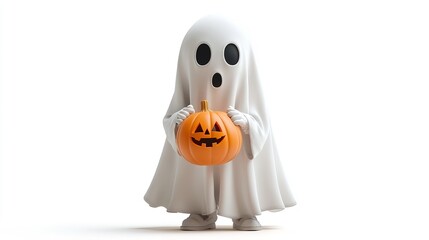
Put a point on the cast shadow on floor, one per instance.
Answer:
(175, 229)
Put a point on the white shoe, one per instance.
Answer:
(198, 222)
(246, 224)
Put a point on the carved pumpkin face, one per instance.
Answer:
(208, 137)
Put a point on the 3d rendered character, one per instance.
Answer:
(216, 63)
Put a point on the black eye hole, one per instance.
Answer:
(231, 54)
(199, 128)
(216, 128)
(203, 54)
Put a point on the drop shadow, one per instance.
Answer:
(176, 229)
(153, 230)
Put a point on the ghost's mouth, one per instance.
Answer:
(208, 141)
(217, 80)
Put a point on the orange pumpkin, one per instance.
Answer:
(208, 137)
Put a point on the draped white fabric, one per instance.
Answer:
(249, 184)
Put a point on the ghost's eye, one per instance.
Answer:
(231, 54)
(203, 54)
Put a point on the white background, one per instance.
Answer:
(85, 85)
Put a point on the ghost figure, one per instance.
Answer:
(216, 63)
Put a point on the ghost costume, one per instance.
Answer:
(252, 182)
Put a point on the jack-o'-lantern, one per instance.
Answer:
(208, 137)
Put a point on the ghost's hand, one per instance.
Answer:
(184, 113)
(239, 119)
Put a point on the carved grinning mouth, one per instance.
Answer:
(208, 141)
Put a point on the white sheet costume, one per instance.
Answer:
(225, 76)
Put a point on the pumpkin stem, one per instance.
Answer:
(204, 106)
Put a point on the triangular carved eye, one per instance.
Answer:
(216, 128)
(199, 128)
